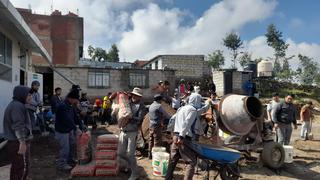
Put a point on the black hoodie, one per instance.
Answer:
(16, 123)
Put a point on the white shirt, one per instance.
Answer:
(185, 118)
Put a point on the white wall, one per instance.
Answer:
(6, 87)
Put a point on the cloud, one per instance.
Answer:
(295, 23)
(103, 20)
(259, 48)
(156, 31)
(142, 29)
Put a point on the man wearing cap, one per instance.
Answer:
(156, 114)
(128, 133)
(35, 102)
(65, 129)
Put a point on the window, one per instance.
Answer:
(5, 58)
(98, 79)
(137, 80)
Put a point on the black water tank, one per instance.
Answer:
(252, 66)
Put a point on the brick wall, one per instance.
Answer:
(118, 80)
(61, 35)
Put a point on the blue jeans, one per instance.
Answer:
(284, 132)
(305, 129)
(67, 148)
(127, 150)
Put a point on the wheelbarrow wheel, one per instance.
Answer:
(230, 172)
(273, 155)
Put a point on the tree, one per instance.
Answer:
(113, 54)
(245, 59)
(233, 42)
(317, 79)
(97, 54)
(274, 40)
(309, 70)
(216, 59)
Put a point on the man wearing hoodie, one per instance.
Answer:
(18, 132)
(65, 127)
(184, 132)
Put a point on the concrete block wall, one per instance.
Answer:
(119, 80)
(218, 79)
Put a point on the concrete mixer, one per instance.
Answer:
(242, 118)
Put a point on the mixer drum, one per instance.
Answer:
(238, 114)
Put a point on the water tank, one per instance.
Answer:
(252, 66)
(265, 68)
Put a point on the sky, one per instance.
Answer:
(143, 29)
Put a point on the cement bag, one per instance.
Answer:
(108, 139)
(84, 170)
(107, 147)
(121, 109)
(106, 163)
(84, 149)
(107, 171)
(106, 154)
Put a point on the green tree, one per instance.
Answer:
(317, 79)
(245, 59)
(216, 59)
(309, 70)
(233, 42)
(113, 54)
(275, 41)
(97, 54)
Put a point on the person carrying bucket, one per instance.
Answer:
(157, 114)
(180, 148)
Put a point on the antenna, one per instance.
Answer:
(51, 6)
(78, 11)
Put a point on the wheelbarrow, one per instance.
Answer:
(221, 159)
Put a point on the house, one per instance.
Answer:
(62, 37)
(139, 63)
(189, 67)
(230, 81)
(17, 44)
(99, 81)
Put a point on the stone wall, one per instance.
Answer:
(119, 80)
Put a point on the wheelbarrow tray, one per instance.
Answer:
(222, 155)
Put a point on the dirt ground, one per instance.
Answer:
(306, 164)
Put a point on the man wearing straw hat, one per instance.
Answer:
(128, 133)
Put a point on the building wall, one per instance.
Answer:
(118, 80)
(6, 87)
(61, 35)
(218, 79)
(186, 66)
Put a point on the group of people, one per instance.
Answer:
(283, 115)
(70, 115)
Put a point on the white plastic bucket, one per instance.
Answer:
(160, 161)
(288, 154)
(158, 149)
